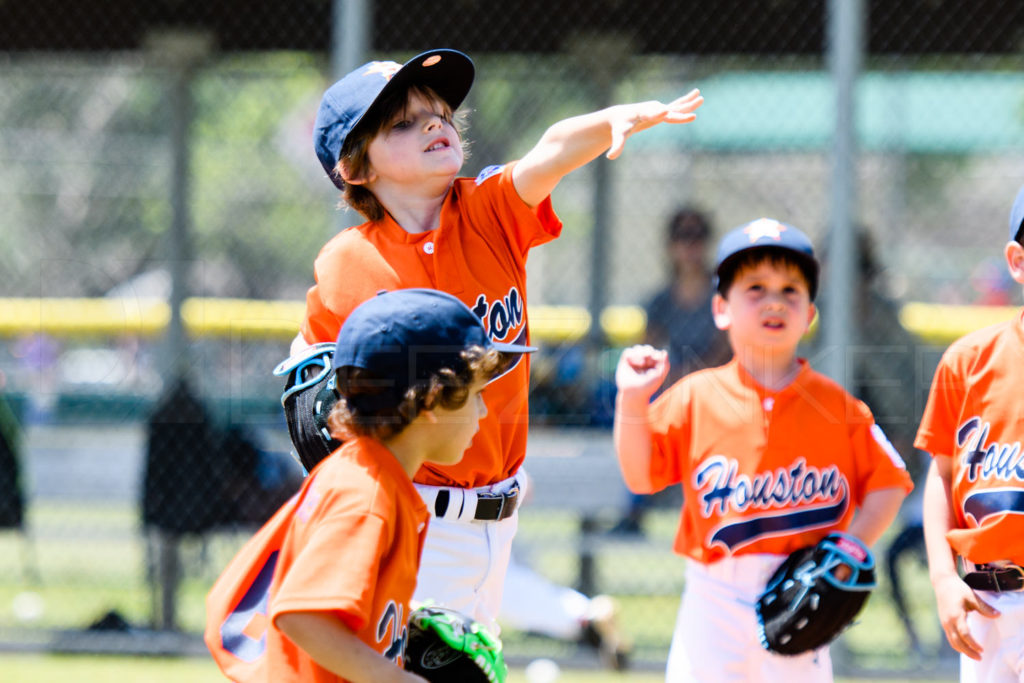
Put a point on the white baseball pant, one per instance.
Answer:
(716, 639)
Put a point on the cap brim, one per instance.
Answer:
(514, 348)
(509, 356)
(1017, 215)
(449, 73)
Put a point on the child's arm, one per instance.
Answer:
(876, 513)
(640, 372)
(573, 142)
(953, 598)
(336, 648)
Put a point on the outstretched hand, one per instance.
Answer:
(633, 118)
(641, 370)
(954, 600)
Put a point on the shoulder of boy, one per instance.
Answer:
(489, 172)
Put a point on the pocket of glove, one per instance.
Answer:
(445, 645)
(815, 594)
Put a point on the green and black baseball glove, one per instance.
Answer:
(446, 646)
(805, 604)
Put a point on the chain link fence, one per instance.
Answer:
(160, 152)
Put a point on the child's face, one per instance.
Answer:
(767, 306)
(456, 428)
(418, 144)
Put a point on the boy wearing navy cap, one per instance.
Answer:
(389, 138)
(973, 426)
(322, 591)
(771, 456)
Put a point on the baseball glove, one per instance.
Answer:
(445, 646)
(307, 400)
(805, 605)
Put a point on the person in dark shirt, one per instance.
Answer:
(679, 320)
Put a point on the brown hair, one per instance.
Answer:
(689, 225)
(355, 153)
(776, 256)
(368, 407)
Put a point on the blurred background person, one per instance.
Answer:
(882, 360)
(679, 315)
(679, 320)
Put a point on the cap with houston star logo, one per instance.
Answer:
(767, 233)
(449, 73)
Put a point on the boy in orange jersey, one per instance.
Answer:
(771, 455)
(386, 135)
(322, 591)
(973, 426)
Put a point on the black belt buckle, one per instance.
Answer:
(998, 579)
(494, 507)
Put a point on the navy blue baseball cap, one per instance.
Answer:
(1017, 215)
(768, 233)
(409, 334)
(449, 73)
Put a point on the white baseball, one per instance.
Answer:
(28, 606)
(543, 670)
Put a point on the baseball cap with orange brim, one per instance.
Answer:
(353, 99)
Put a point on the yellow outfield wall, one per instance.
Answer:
(244, 318)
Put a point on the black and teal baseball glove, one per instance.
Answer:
(307, 401)
(805, 604)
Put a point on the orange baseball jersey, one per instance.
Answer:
(765, 471)
(976, 416)
(348, 543)
(477, 254)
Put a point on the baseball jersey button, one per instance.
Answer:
(428, 248)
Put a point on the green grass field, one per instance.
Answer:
(85, 560)
(103, 669)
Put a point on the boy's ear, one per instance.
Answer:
(720, 312)
(342, 170)
(812, 315)
(812, 311)
(1015, 261)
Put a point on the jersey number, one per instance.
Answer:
(252, 606)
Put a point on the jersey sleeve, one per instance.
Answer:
(319, 324)
(350, 269)
(946, 396)
(313, 583)
(670, 435)
(879, 464)
(500, 207)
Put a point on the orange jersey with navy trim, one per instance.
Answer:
(348, 543)
(477, 254)
(765, 471)
(975, 415)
